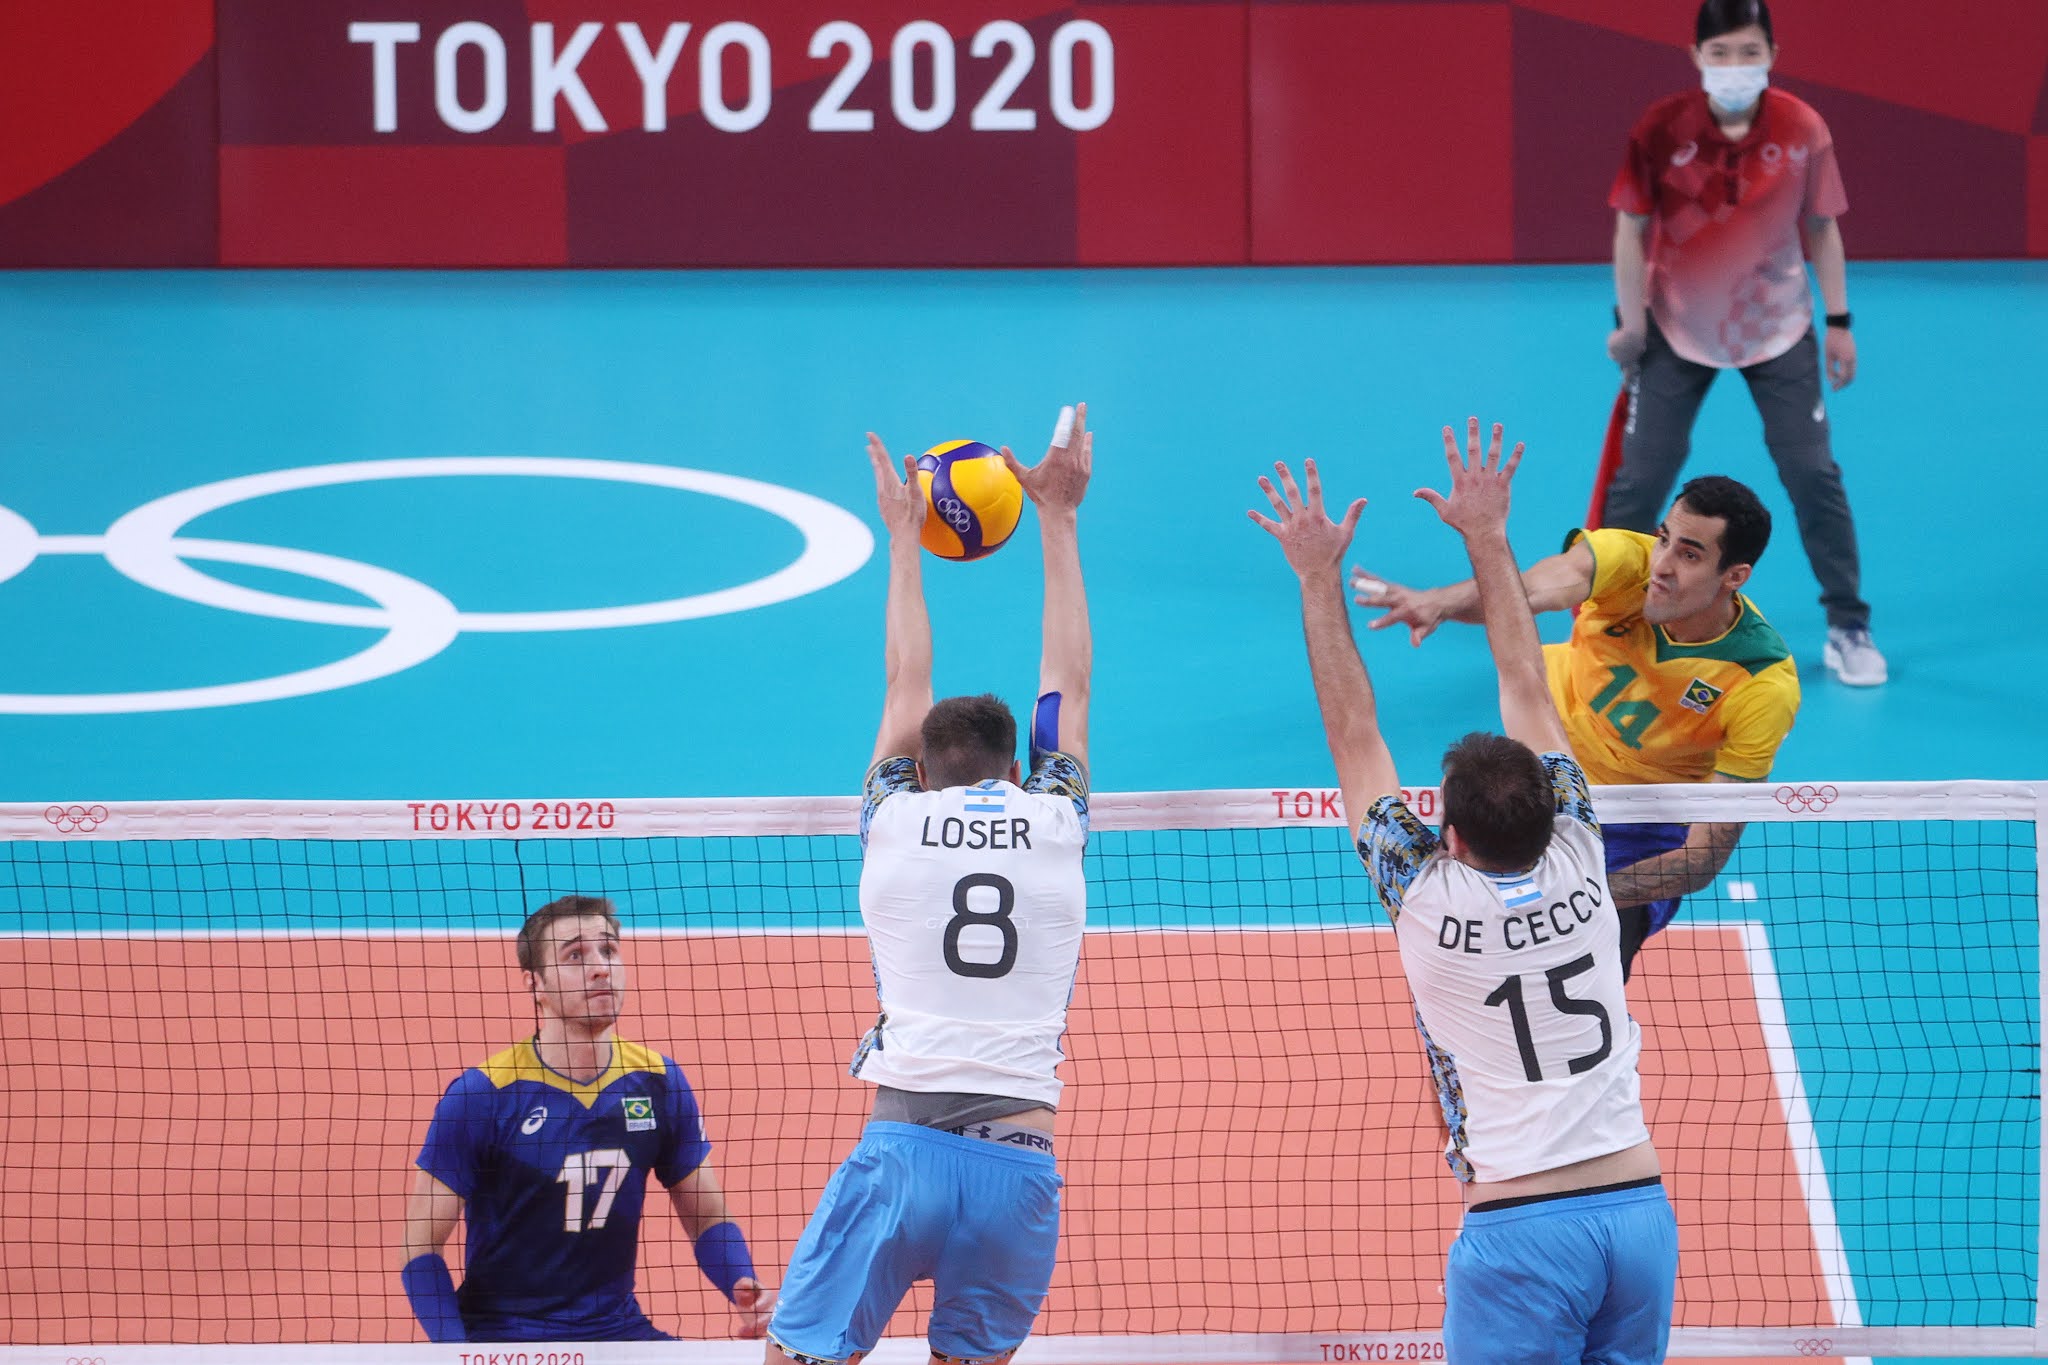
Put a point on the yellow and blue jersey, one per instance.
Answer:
(553, 1175)
(1639, 706)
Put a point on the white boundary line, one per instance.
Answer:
(1799, 1131)
(1203, 1349)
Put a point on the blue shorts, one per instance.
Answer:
(979, 1220)
(1582, 1277)
(1628, 845)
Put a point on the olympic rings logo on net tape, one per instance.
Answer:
(417, 621)
(1805, 798)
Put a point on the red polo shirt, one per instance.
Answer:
(1727, 279)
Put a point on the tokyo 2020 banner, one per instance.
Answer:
(954, 132)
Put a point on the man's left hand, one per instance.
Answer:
(1841, 353)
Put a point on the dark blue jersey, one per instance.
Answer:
(553, 1175)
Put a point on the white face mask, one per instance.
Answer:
(1733, 89)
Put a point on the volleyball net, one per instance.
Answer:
(224, 1026)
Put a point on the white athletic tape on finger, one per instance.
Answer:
(1063, 431)
(1370, 587)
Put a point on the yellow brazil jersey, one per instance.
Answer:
(1642, 707)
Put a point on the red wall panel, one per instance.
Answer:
(429, 206)
(1222, 131)
(107, 155)
(1372, 142)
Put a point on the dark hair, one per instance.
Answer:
(1499, 799)
(968, 740)
(1746, 522)
(533, 935)
(1725, 16)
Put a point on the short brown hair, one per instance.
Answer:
(533, 935)
(967, 740)
(1498, 798)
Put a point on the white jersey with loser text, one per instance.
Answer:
(974, 902)
(1517, 986)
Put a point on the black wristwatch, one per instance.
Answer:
(1840, 320)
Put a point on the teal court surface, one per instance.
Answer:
(127, 389)
(400, 538)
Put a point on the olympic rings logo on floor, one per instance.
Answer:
(417, 621)
(1805, 799)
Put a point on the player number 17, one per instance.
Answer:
(579, 1173)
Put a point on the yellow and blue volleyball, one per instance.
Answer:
(972, 500)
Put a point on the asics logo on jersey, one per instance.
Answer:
(147, 546)
(1684, 155)
(534, 1120)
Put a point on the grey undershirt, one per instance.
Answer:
(946, 1108)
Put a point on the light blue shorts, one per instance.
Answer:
(1585, 1277)
(978, 1219)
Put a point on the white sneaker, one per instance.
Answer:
(1853, 658)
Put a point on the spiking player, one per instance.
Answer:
(1508, 937)
(972, 894)
(1671, 675)
(545, 1150)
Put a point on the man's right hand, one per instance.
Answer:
(901, 501)
(1419, 609)
(1625, 346)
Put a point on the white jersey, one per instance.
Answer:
(1518, 991)
(974, 903)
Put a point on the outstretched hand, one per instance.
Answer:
(1312, 542)
(1478, 504)
(902, 501)
(1419, 609)
(1058, 482)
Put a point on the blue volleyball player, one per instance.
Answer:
(545, 1150)
(972, 896)
(1512, 948)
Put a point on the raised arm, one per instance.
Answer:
(1056, 485)
(1478, 510)
(431, 1212)
(907, 648)
(1314, 546)
(1557, 583)
(721, 1251)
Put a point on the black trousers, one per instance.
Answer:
(1664, 399)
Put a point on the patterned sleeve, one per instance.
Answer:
(885, 779)
(684, 1147)
(1568, 785)
(459, 1134)
(1394, 846)
(1058, 774)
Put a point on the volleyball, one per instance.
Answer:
(972, 500)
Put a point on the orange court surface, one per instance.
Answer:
(210, 1138)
